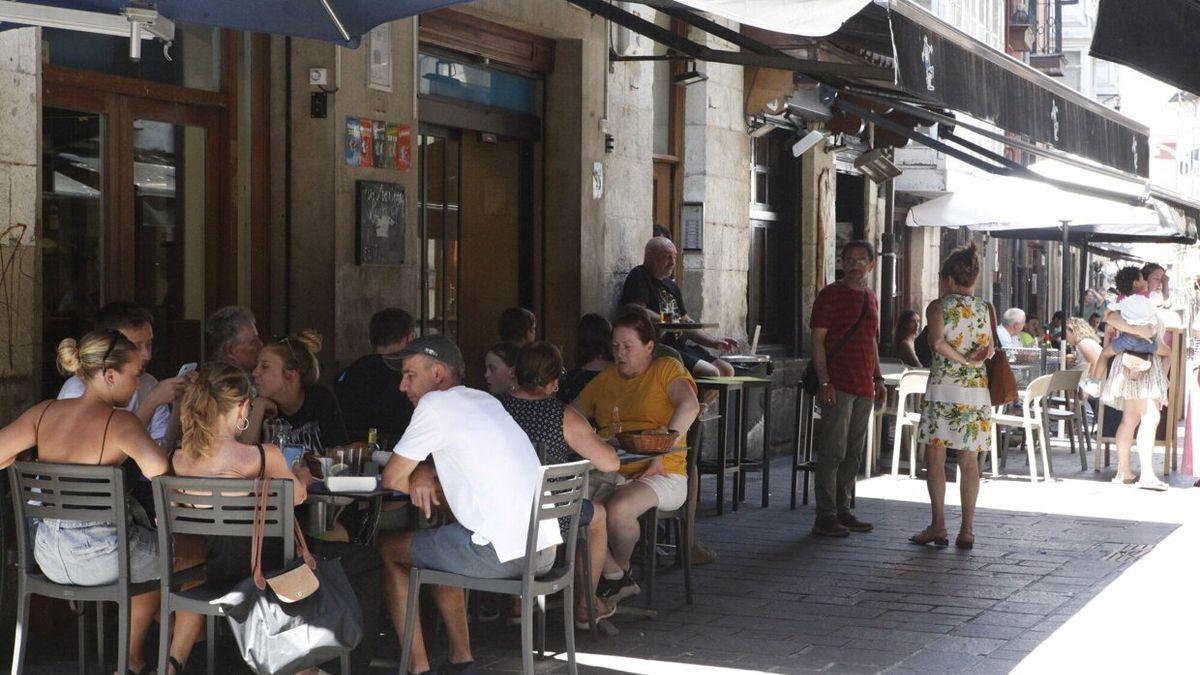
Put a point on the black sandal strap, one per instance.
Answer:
(176, 665)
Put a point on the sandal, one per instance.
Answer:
(1152, 484)
(926, 538)
(965, 544)
(174, 663)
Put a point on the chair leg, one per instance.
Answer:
(527, 634)
(539, 625)
(1045, 440)
(1029, 448)
(21, 637)
(722, 449)
(912, 451)
(995, 464)
(80, 610)
(569, 625)
(123, 635)
(210, 645)
(897, 442)
(684, 551)
(410, 620)
(101, 657)
(164, 629)
(651, 539)
(589, 596)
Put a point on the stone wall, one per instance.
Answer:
(20, 291)
(716, 172)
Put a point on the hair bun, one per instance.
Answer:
(310, 339)
(68, 356)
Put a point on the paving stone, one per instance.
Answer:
(967, 645)
(1007, 619)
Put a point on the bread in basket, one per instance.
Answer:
(648, 442)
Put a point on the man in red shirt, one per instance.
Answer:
(845, 353)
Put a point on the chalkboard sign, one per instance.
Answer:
(380, 212)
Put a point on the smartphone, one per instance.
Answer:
(292, 453)
(185, 369)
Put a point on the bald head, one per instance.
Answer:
(659, 257)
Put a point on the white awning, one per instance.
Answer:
(810, 18)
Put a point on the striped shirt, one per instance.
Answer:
(836, 309)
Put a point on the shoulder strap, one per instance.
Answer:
(262, 462)
(38, 428)
(850, 333)
(104, 438)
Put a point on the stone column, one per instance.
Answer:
(818, 227)
(20, 273)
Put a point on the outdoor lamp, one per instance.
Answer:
(876, 166)
(690, 76)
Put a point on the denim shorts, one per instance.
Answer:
(1126, 342)
(449, 549)
(84, 553)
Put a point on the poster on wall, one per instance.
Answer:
(353, 142)
(380, 212)
(379, 58)
(378, 144)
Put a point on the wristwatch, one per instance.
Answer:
(879, 378)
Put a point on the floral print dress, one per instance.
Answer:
(957, 409)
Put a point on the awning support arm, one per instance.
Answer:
(778, 60)
(935, 117)
(913, 134)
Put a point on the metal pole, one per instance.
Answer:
(1066, 294)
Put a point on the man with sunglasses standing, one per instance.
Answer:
(153, 399)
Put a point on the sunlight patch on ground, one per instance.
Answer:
(1068, 497)
(627, 664)
(1144, 621)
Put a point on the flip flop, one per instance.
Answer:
(935, 541)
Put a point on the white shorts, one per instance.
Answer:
(670, 489)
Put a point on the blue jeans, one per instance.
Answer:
(1127, 342)
(84, 553)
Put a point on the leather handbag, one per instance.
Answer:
(809, 379)
(1002, 385)
(296, 619)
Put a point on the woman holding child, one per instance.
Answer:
(1136, 383)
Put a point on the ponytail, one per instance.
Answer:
(218, 388)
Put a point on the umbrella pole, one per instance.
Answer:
(1066, 295)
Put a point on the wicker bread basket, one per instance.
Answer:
(646, 442)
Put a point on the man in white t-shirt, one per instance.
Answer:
(152, 400)
(487, 471)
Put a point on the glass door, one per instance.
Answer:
(130, 212)
(439, 161)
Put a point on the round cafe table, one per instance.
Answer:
(320, 498)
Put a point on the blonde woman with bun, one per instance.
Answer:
(286, 378)
(215, 407)
(94, 429)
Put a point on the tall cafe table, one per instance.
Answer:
(737, 464)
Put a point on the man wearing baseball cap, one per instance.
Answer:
(487, 471)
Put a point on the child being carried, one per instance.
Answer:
(1136, 310)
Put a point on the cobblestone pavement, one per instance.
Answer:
(782, 600)
(1056, 568)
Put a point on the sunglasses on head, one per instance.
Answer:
(287, 340)
(116, 336)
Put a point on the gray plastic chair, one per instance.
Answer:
(212, 507)
(45, 490)
(560, 494)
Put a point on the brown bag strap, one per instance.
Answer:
(258, 533)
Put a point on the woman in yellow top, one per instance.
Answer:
(639, 393)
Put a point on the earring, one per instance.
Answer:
(243, 423)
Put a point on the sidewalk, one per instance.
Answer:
(1048, 584)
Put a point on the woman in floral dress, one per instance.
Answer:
(956, 412)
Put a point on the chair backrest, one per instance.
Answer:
(51, 491)
(220, 507)
(560, 493)
(1066, 381)
(1037, 390)
(911, 382)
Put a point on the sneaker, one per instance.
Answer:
(616, 590)
(854, 524)
(828, 526)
